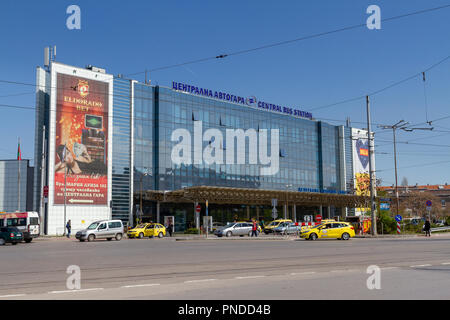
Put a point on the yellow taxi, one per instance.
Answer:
(329, 230)
(147, 230)
(275, 223)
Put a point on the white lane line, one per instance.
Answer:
(389, 268)
(13, 295)
(301, 273)
(445, 263)
(75, 290)
(421, 265)
(344, 270)
(202, 280)
(141, 285)
(249, 277)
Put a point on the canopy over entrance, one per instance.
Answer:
(224, 195)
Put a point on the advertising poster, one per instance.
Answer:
(81, 142)
(361, 175)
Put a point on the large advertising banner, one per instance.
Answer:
(81, 143)
(361, 177)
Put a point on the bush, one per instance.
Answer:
(191, 231)
(386, 223)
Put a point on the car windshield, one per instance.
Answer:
(93, 225)
(229, 225)
(273, 223)
(140, 226)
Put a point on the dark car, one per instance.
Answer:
(11, 235)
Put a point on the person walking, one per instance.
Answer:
(427, 228)
(170, 227)
(69, 228)
(254, 229)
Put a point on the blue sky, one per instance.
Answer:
(129, 36)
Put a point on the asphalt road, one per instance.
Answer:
(410, 268)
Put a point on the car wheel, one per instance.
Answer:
(28, 240)
(91, 237)
(345, 236)
(313, 236)
(160, 235)
(13, 243)
(141, 235)
(229, 234)
(118, 236)
(2, 242)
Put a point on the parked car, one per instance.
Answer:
(217, 225)
(147, 230)
(10, 235)
(338, 230)
(235, 229)
(275, 223)
(287, 228)
(102, 229)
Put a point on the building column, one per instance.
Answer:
(248, 212)
(329, 212)
(257, 213)
(285, 211)
(294, 212)
(157, 212)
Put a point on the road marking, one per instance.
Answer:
(13, 295)
(202, 280)
(141, 285)
(445, 263)
(389, 268)
(344, 270)
(421, 265)
(249, 277)
(76, 290)
(300, 273)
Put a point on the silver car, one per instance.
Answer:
(103, 229)
(287, 228)
(234, 229)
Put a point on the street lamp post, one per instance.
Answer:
(140, 204)
(404, 126)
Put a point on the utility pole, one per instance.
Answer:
(402, 124)
(372, 184)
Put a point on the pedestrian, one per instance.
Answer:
(69, 228)
(170, 227)
(427, 228)
(254, 228)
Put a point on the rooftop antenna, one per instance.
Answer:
(426, 99)
(49, 56)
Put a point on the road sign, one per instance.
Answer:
(428, 209)
(274, 213)
(45, 192)
(319, 218)
(428, 203)
(274, 202)
(198, 208)
(385, 206)
(398, 218)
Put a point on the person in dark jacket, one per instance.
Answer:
(69, 228)
(427, 228)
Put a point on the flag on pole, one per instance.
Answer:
(19, 153)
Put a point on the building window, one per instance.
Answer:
(443, 203)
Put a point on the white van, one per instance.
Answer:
(27, 222)
(102, 229)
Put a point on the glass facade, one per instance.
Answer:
(308, 150)
(121, 151)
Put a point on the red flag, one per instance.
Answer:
(19, 153)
